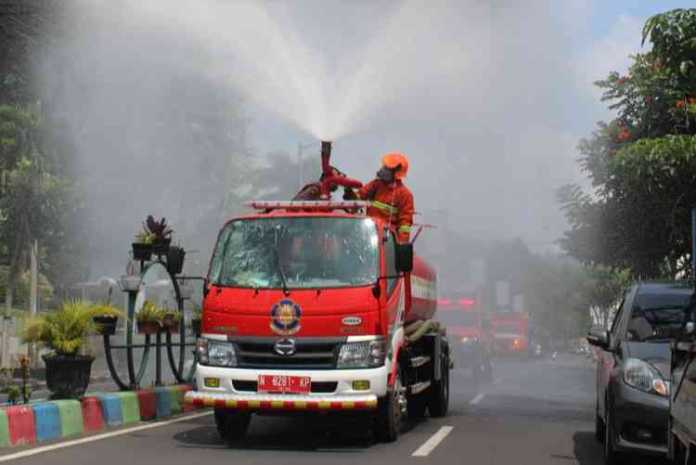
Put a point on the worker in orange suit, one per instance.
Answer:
(388, 197)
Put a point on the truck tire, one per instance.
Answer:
(439, 393)
(231, 425)
(390, 413)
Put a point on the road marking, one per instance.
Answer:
(98, 437)
(479, 397)
(434, 440)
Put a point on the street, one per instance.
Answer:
(535, 412)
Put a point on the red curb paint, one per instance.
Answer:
(148, 404)
(92, 414)
(183, 389)
(20, 420)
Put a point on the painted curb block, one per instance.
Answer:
(20, 421)
(111, 409)
(92, 416)
(130, 410)
(164, 402)
(47, 418)
(4, 430)
(44, 421)
(71, 421)
(174, 401)
(148, 404)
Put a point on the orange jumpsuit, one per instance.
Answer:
(390, 202)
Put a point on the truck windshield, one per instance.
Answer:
(298, 252)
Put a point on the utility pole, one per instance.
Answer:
(33, 291)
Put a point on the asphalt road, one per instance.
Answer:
(535, 412)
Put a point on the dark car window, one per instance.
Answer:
(657, 315)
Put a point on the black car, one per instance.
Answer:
(633, 369)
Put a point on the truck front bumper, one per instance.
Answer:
(236, 390)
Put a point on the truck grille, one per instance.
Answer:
(310, 353)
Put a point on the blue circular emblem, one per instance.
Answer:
(285, 317)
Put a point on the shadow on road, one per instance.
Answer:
(322, 434)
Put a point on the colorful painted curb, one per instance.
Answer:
(52, 420)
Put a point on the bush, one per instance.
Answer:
(64, 331)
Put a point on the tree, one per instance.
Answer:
(642, 164)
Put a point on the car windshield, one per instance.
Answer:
(297, 252)
(657, 316)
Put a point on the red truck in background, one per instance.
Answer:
(510, 332)
(470, 331)
(312, 306)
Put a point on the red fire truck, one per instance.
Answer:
(315, 307)
(511, 332)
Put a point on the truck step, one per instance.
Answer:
(417, 388)
(420, 360)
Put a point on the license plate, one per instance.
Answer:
(282, 384)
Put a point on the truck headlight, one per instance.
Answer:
(643, 376)
(216, 353)
(362, 354)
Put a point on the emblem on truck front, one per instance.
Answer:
(285, 317)
(285, 347)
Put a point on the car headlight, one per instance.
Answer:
(362, 354)
(641, 375)
(216, 353)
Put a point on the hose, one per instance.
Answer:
(418, 329)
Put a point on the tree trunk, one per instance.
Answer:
(12, 272)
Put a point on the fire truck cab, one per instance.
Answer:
(314, 307)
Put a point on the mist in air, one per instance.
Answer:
(170, 106)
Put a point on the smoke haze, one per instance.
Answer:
(170, 104)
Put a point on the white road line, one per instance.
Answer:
(434, 440)
(479, 397)
(98, 437)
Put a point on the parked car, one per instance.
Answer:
(633, 369)
(681, 438)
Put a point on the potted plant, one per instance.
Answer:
(65, 332)
(149, 318)
(175, 259)
(162, 234)
(106, 317)
(171, 319)
(142, 247)
(196, 318)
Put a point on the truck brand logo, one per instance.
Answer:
(285, 347)
(285, 317)
(351, 321)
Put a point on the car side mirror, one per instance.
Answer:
(206, 288)
(598, 337)
(404, 257)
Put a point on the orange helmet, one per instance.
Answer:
(396, 160)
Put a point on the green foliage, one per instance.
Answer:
(106, 310)
(144, 237)
(150, 312)
(65, 331)
(643, 163)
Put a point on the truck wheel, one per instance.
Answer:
(231, 425)
(390, 412)
(439, 393)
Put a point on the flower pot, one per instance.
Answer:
(196, 327)
(170, 323)
(142, 252)
(175, 260)
(148, 327)
(106, 324)
(67, 376)
(161, 247)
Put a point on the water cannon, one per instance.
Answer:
(331, 178)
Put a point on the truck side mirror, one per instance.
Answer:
(598, 337)
(404, 257)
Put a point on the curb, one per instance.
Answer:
(44, 421)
